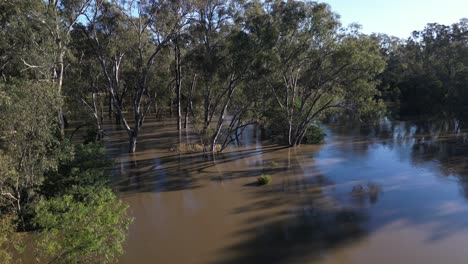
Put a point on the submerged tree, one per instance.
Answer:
(315, 66)
(152, 26)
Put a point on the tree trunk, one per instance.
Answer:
(132, 141)
(110, 105)
(170, 107)
(290, 143)
(101, 109)
(219, 125)
(207, 106)
(61, 121)
(189, 101)
(178, 69)
(118, 119)
(186, 115)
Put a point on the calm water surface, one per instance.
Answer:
(394, 193)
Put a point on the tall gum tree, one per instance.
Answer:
(316, 66)
(60, 17)
(225, 53)
(154, 26)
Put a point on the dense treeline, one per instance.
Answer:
(218, 66)
(279, 65)
(427, 74)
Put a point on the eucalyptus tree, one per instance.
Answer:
(20, 37)
(110, 40)
(153, 26)
(65, 15)
(316, 66)
(35, 39)
(84, 85)
(28, 142)
(183, 15)
(225, 56)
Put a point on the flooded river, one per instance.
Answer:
(394, 193)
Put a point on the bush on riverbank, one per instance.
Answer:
(80, 166)
(10, 240)
(87, 226)
(79, 219)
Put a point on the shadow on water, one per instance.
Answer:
(304, 236)
(180, 172)
(307, 225)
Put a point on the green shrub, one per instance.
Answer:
(86, 228)
(263, 179)
(10, 241)
(82, 165)
(314, 135)
(79, 219)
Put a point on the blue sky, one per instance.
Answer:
(398, 17)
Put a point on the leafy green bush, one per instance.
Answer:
(82, 165)
(263, 179)
(10, 240)
(314, 135)
(85, 228)
(79, 219)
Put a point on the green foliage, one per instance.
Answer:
(23, 39)
(276, 124)
(81, 166)
(264, 179)
(79, 218)
(314, 135)
(74, 229)
(27, 140)
(10, 240)
(308, 79)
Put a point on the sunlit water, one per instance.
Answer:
(394, 193)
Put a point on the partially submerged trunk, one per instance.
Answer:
(219, 125)
(178, 83)
(189, 106)
(96, 109)
(132, 136)
(111, 103)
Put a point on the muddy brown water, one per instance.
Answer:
(393, 193)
